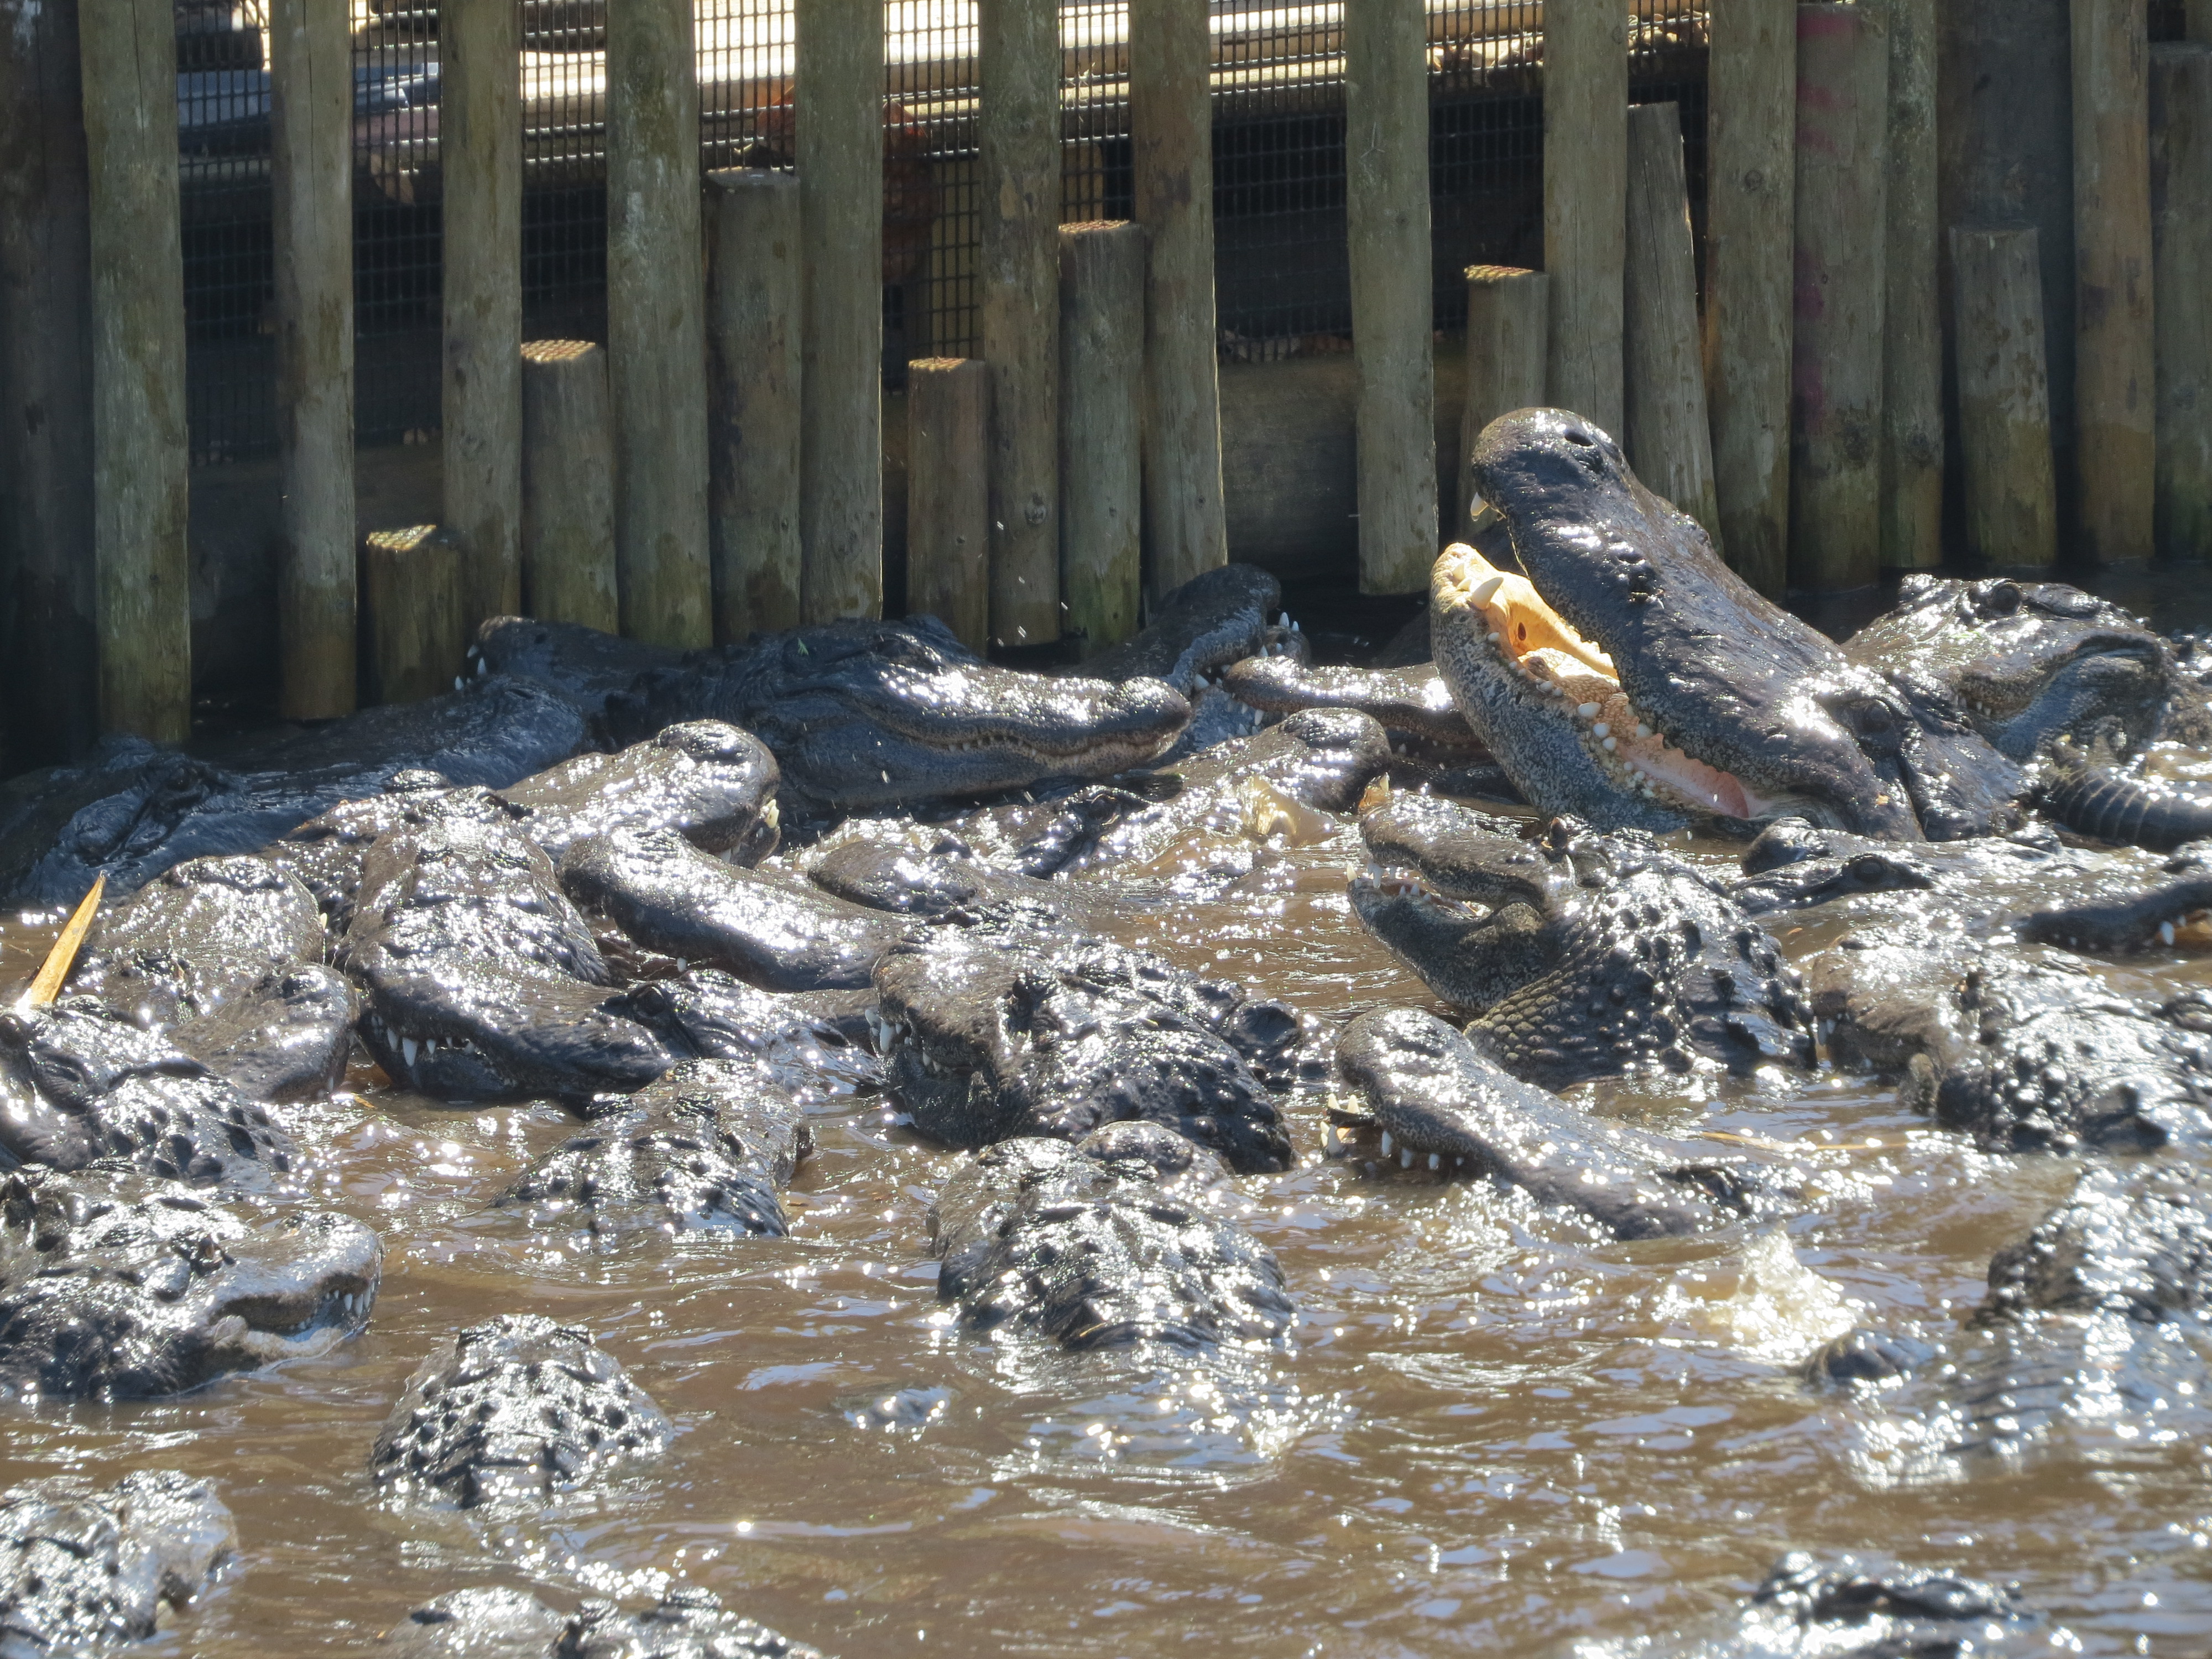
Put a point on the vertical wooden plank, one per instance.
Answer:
(1912, 324)
(2198, 18)
(1171, 139)
(1668, 438)
(1586, 201)
(656, 324)
(412, 584)
(2115, 373)
(2181, 223)
(48, 650)
(1019, 57)
(948, 513)
(140, 459)
(2004, 401)
(840, 179)
(755, 303)
(311, 137)
(1508, 341)
(1101, 345)
(1751, 197)
(1843, 122)
(569, 485)
(1386, 99)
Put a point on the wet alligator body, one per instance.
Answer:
(85, 1572)
(690, 1623)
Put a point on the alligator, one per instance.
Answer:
(132, 810)
(117, 1285)
(79, 1081)
(690, 1623)
(1413, 705)
(2142, 920)
(994, 1033)
(816, 1046)
(707, 1148)
(514, 1409)
(87, 1571)
(1108, 1242)
(290, 1040)
(1581, 955)
(1212, 621)
(1434, 1099)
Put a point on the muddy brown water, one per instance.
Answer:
(1491, 1431)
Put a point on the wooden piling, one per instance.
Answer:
(656, 324)
(2197, 17)
(411, 604)
(2004, 400)
(2181, 225)
(1018, 59)
(841, 178)
(1101, 404)
(1751, 194)
(142, 604)
(311, 172)
(1912, 323)
(480, 157)
(1507, 344)
(2115, 371)
(948, 512)
(1835, 439)
(49, 679)
(1171, 141)
(756, 300)
(567, 485)
(1667, 437)
(1586, 201)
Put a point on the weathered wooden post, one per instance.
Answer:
(311, 142)
(2004, 401)
(1668, 437)
(2181, 223)
(841, 178)
(656, 322)
(2197, 15)
(569, 485)
(411, 586)
(480, 161)
(756, 300)
(1101, 407)
(1171, 138)
(2115, 373)
(948, 499)
(1912, 323)
(1586, 201)
(1835, 440)
(1386, 106)
(1507, 344)
(1017, 53)
(140, 457)
(49, 655)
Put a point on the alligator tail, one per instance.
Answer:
(2128, 811)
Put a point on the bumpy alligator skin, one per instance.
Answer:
(197, 938)
(1413, 705)
(288, 1041)
(1583, 955)
(1852, 1608)
(1210, 622)
(116, 1286)
(706, 781)
(516, 1408)
(2142, 920)
(84, 1572)
(1437, 1102)
(690, 1623)
(78, 1081)
(1104, 1244)
(707, 1148)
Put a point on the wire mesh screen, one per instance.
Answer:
(1283, 275)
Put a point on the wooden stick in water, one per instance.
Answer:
(63, 958)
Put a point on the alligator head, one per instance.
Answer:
(1631, 679)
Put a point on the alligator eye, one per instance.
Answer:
(1576, 435)
(2001, 597)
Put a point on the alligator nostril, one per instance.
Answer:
(1576, 435)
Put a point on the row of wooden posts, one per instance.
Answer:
(717, 467)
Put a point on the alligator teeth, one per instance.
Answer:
(1601, 730)
(1436, 1160)
(1612, 744)
(1405, 1159)
(1587, 710)
(1386, 1143)
(1482, 591)
(407, 1050)
(1643, 730)
(2166, 932)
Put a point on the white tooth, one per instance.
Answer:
(1601, 729)
(1386, 1143)
(1493, 636)
(1642, 730)
(1283, 621)
(1480, 592)
(429, 1046)
(1459, 1162)
(407, 1049)
(2166, 932)
(1587, 710)
(1612, 744)
(1295, 629)
(1405, 1159)
(458, 682)
(1436, 1160)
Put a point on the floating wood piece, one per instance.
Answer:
(948, 511)
(1585, 201)
(1751, 195)
(756, 302)
(1102, 344)
(1668, 436)
(1912, 323)
(412, 613)
(656, 324)
(2181, 223)
(53, 973)
(567, 485)
(2115, 335)
(1508, 342)
(2004, 399)
(1843, 122)
(143, 601)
